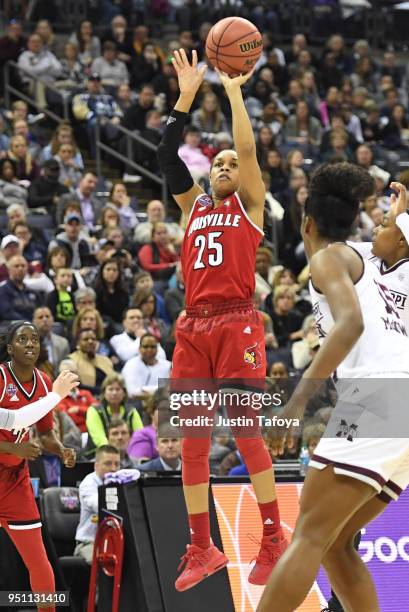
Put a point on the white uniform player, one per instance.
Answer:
(371, 403)
(396, 277)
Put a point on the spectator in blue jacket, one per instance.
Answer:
(16, 300)
(169, 446)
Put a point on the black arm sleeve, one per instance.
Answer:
(172, 167)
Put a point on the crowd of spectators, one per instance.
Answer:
(102, 278)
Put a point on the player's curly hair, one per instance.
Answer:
(334, 194)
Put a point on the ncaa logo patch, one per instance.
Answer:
(11, 391)
(205, 201)
(252, 356)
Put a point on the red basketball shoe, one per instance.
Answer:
(200, 563)
(272, 548)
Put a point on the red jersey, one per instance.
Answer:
(219, 252)
(14, 395)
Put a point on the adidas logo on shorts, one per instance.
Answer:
(170, 120)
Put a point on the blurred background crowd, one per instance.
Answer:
(90, 237)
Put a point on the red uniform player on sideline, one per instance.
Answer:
(222, 335)
(21, 384)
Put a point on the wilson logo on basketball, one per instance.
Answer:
(248, 46)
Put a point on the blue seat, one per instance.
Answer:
(40, 221)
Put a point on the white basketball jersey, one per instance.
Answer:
(396, 278)
(383, 347)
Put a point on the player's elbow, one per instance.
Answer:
(354, 327)
(359, 328)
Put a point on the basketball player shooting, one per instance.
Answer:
(213, 339)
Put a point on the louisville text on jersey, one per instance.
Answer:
(214, 220)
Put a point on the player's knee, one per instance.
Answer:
(255, 454)
(41, 576)
(313, 529)
(196, 449)
(195, 461)
(341, 547)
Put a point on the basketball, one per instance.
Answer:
(234, 45)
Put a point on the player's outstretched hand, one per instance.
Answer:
(399, 203)
(190, 77)
(65, 382)
(27, 450)
(69, 457)
(233, 83)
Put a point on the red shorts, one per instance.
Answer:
(18, 506)
(220, 341)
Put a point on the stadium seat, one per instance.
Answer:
(40, 221)
(60, 509)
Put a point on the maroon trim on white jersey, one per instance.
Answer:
(395, 266)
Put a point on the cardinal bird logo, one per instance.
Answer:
(252, 356)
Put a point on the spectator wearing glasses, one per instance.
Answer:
(85, 298)
(113, 405)
(142, 373)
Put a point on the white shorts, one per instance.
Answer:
(382, 463)
(355, 442)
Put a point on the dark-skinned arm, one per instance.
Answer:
(25, 450)
(52, 444)
(251, 190)
(330, 274)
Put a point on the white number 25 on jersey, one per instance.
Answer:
(214, 250)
